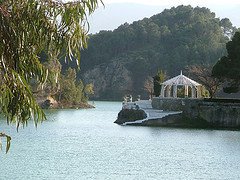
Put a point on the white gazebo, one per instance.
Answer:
(170, 87)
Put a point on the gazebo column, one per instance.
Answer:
(199, 92)
(186, 91)
(193, 92)
(175, 91)
(168, 91)
(162, 90)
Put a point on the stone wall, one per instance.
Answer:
(219, 114)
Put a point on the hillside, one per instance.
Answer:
(118, 62)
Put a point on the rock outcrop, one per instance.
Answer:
(130, 115)
(49, 102)
(111, 81)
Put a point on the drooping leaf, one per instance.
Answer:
(28, 28)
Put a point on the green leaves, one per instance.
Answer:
(71, 91)
(88, 89)
(157, 80)
(28, 28)
(18, 103)
(228, 67)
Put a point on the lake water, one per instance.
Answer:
(86, 144)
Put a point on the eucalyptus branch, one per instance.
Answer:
(27, 28)
(8, 138)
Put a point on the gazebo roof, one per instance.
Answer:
(181, 80)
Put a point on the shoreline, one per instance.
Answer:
(176, 117)
(53, 104)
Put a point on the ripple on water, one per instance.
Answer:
(86, 144)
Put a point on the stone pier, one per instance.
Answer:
(218, 113)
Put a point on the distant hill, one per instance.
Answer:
(118, 62)
(112, 15)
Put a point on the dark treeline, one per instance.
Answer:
(170, 41)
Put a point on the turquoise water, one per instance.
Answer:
(86, 144)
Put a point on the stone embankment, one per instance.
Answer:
(181, 112)
(216, 113)
(142, 113)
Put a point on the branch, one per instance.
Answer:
(8, 141)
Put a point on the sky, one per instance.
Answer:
(175, 2)
(117, 12)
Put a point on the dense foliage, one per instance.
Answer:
(203, 75)
(27, 28)
(157, 80)
(228, 67)
(71, 91)
(173, 39)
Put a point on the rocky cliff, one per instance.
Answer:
(111, 81)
